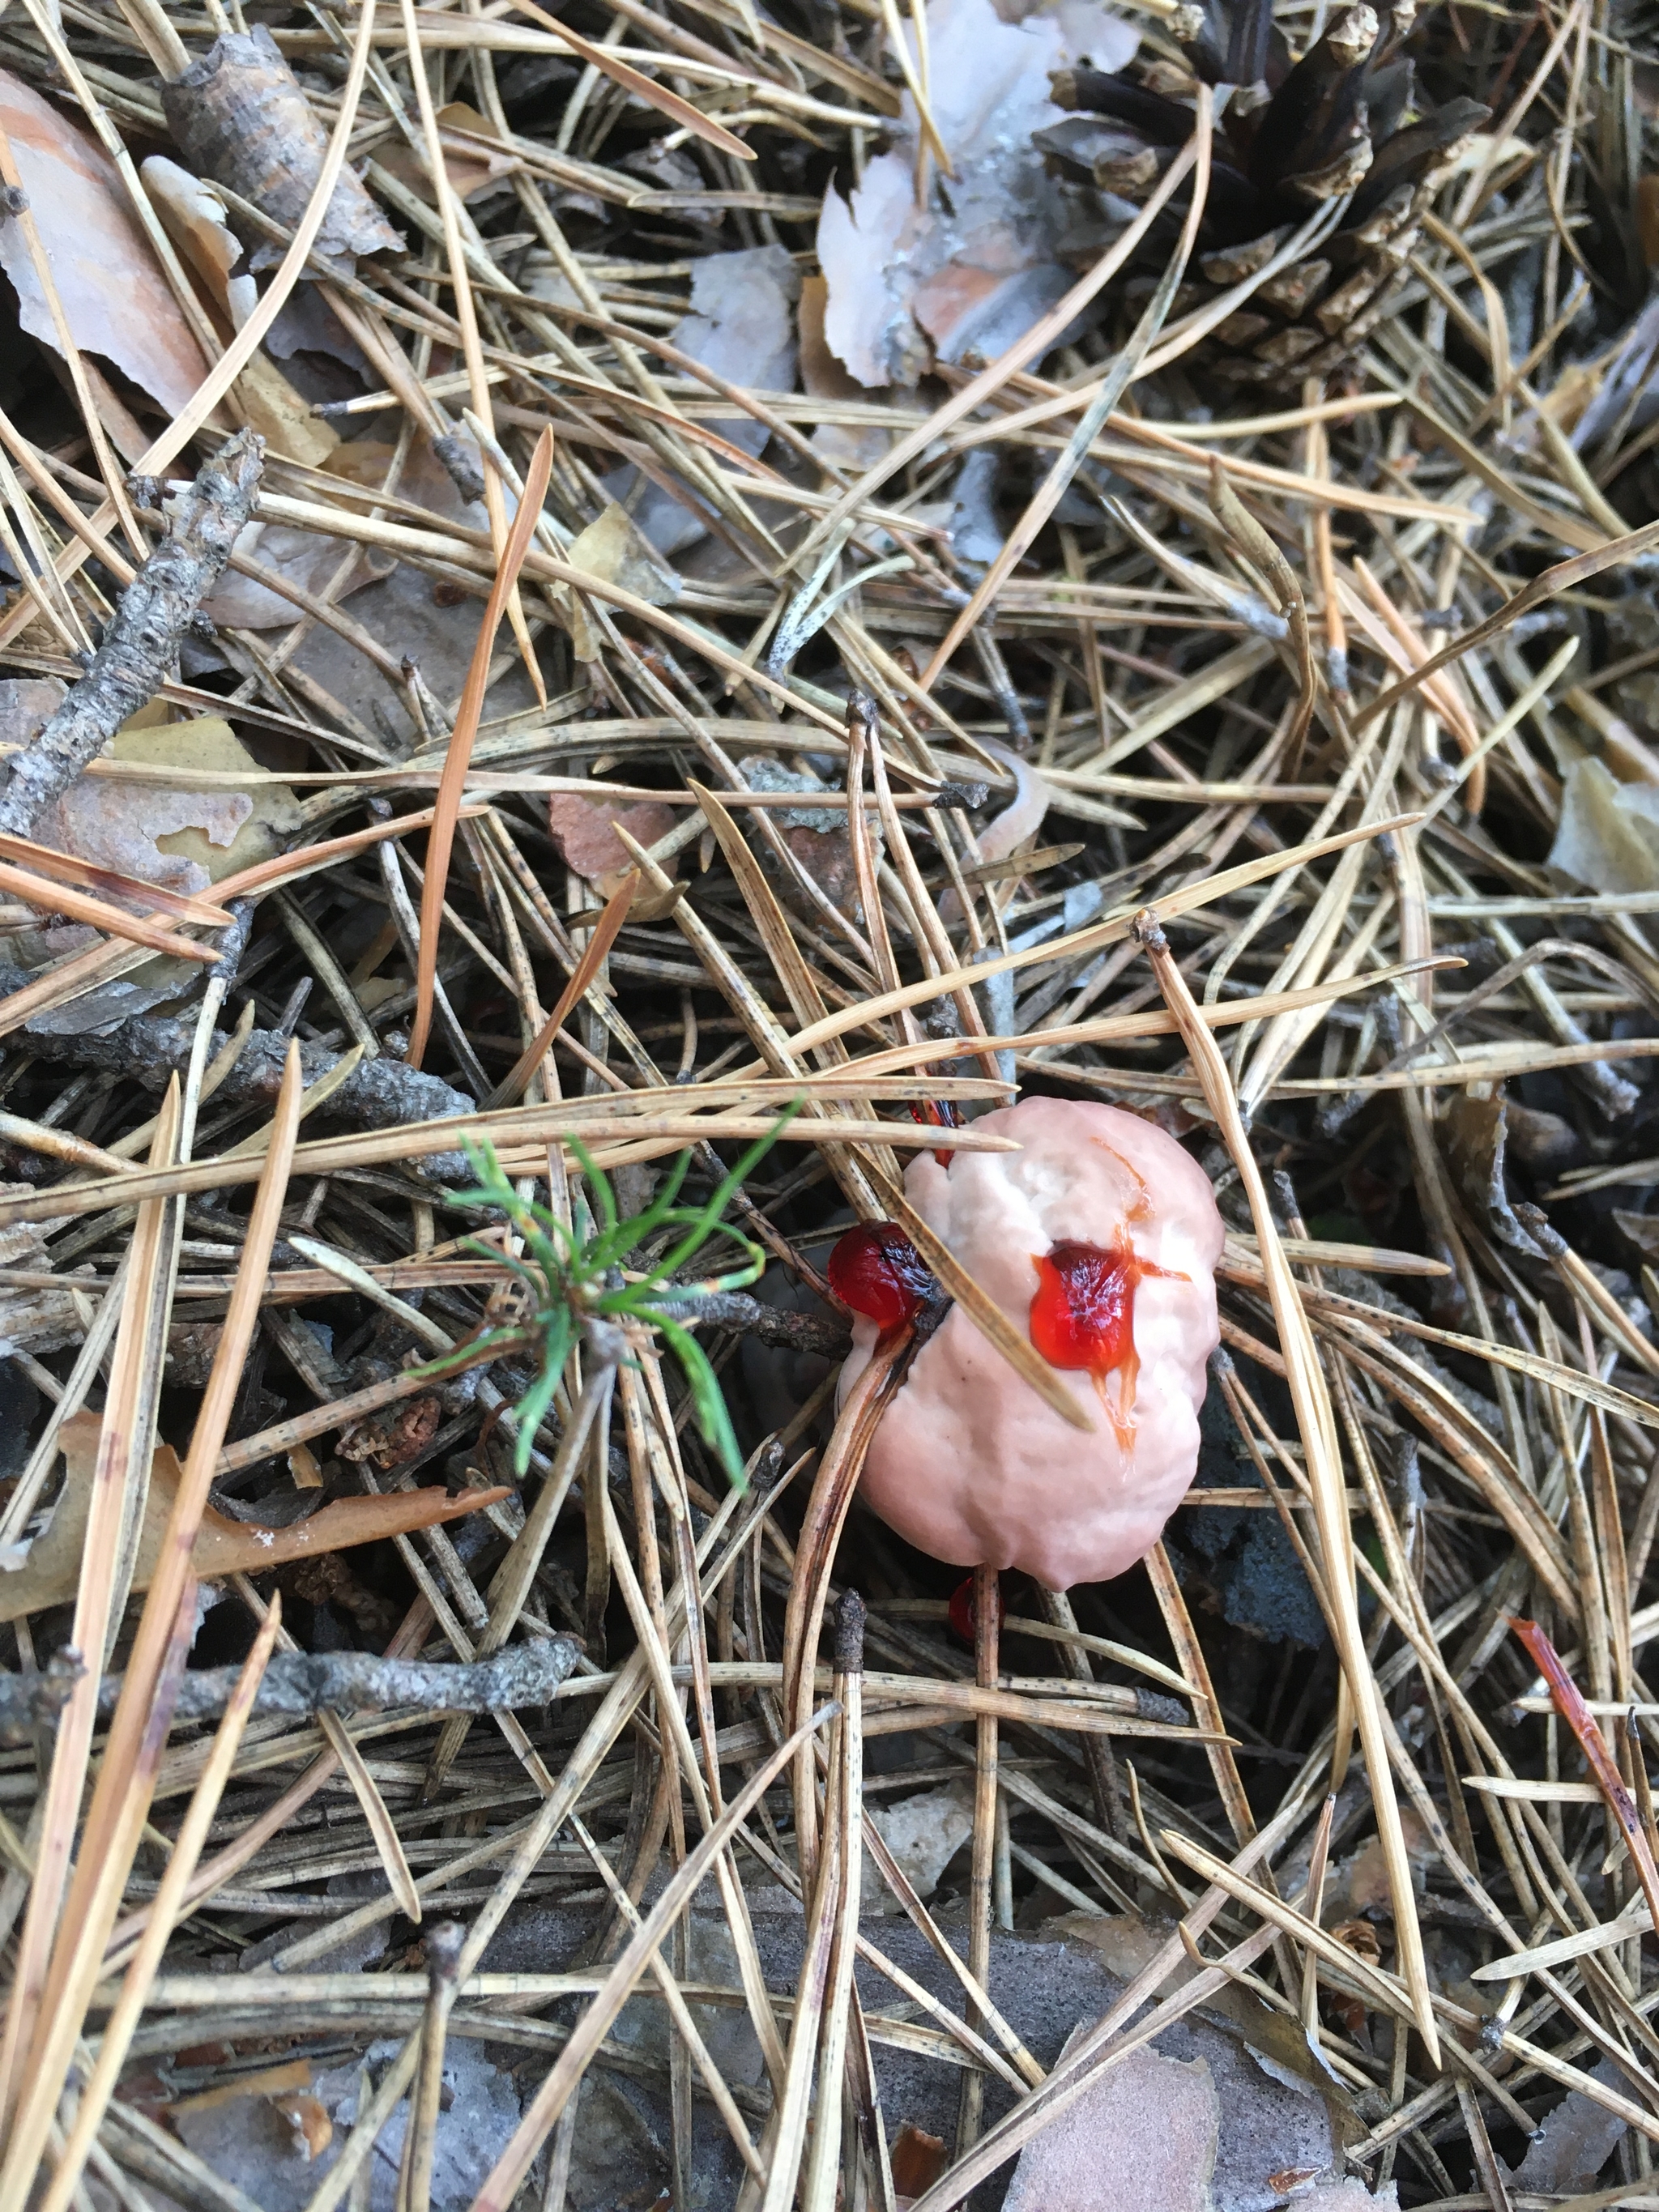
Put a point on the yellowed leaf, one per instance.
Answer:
(285, 422)
(615, 550)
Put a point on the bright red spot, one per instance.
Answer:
(938, 1114)
(964, 1614)
(1083, 1315)
(877, 1271)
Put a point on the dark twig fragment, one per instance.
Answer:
(378, 1094)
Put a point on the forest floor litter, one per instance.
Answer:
(647, 652)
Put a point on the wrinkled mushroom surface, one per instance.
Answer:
(969, 1463)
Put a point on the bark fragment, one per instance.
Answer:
(240, 117)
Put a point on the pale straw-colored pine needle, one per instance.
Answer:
(1423, 573)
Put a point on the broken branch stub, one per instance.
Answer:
(240, 117)
(142, 643)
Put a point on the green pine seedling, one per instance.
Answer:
(571, 1280)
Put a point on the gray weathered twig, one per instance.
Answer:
(735, 1309)
(298, 1684)
(142, 643)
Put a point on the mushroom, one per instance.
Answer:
(1100, 1237)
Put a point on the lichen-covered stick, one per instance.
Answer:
(142, 643)
(299, 1684)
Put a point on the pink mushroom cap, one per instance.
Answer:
(969, 1463)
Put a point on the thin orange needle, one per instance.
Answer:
(458, 758)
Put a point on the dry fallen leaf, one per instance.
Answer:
(582, 829)
(1280, 2109)
(856, 446)
(918, 2161)
(615, 550)
(1574, 2141)
(115, 299)
(305, 558)
(167, 834)
(970, 275)
(193, 214)
(1359, 1883)
(817, 836)
(470, 167)
(742, 327)
(309, 558)
(284, 420)
(1608, 837)
(51, 1573)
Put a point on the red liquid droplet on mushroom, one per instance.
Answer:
(964, 1615)
(877, 1271)
(938, 1114)
(1083, 1316)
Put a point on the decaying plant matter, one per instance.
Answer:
(663, 611)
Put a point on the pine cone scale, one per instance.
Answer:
(1295, 133)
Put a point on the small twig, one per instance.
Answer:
(776, 1325)
(142, 645)
(443, 1960)
(378, 1094)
